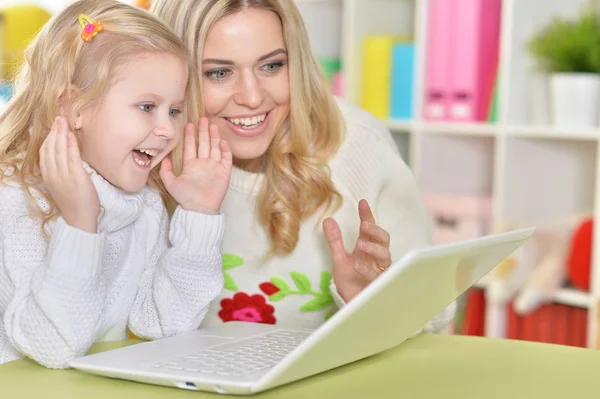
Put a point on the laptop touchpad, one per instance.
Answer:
(205, 341)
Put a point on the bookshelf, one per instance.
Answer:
(535, 173)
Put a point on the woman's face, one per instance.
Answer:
(245, 80)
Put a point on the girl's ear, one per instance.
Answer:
(77, 121)
(65, 106)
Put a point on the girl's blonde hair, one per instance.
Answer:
(297, 178)
(62, 74)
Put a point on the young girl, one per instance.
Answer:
(86, 247)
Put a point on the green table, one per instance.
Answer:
(429, 366)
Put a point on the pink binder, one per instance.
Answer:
(438, 59)
(476, 50)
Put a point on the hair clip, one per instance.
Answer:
(90, 28)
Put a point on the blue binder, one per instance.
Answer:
(403, 59)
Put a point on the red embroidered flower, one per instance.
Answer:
(269, 288)
(244, 307)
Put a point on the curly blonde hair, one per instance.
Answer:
(297, 177)
(57, 61)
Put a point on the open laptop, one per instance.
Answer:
(245, 358)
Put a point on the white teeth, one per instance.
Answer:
(141, 163)
(147, 162)
(248, 122)
(152, 153)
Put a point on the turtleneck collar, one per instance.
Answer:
(119, 208)
(248, 182)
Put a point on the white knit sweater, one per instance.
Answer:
(140, 271)
(297, 289)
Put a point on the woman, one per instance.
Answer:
(299, 155)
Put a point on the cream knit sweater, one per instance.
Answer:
(140, 271)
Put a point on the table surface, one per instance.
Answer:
(428, 366)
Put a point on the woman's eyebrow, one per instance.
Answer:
(228, 62)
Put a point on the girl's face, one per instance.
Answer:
(245, 80)
(137, 122)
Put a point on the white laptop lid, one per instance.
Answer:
(393, 307)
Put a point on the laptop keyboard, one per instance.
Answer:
(241, 358)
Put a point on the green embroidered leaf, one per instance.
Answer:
(281, 284)
(278, 296)
(328, 315)
(231, 261)
(302, 282)
(318, 303)
(325, 281)
(229, 282)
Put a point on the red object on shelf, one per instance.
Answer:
(474, 321)
(550, 323)
(580, 255)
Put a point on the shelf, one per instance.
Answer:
(458, 128)
(400, 125)
(565, 296)
(486, 129)
(573, 297)
(551, 133)
(466, 129)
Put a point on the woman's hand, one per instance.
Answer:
(204, 180)
(371, 256)
(67, 181)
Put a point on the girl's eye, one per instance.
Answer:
(146, 107)
(174, 112)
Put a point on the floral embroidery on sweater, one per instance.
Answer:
(277, 289)
(230, 261)
(243, 307)
(254, 308)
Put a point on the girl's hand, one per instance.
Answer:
(67, 181)
(371, 256)
(204, 180)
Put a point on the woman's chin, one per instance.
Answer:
(244, 153)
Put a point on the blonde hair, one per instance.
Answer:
(297, 177)
(62, 74)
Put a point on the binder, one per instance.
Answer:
(376, 75)
(438, 59)
(476, 43)
(403, 60)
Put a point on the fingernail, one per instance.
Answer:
(362, 244)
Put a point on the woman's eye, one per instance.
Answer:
(272, 67)
(219, 74)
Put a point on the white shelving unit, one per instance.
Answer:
(534, 173)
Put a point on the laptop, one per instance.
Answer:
(245, 358)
